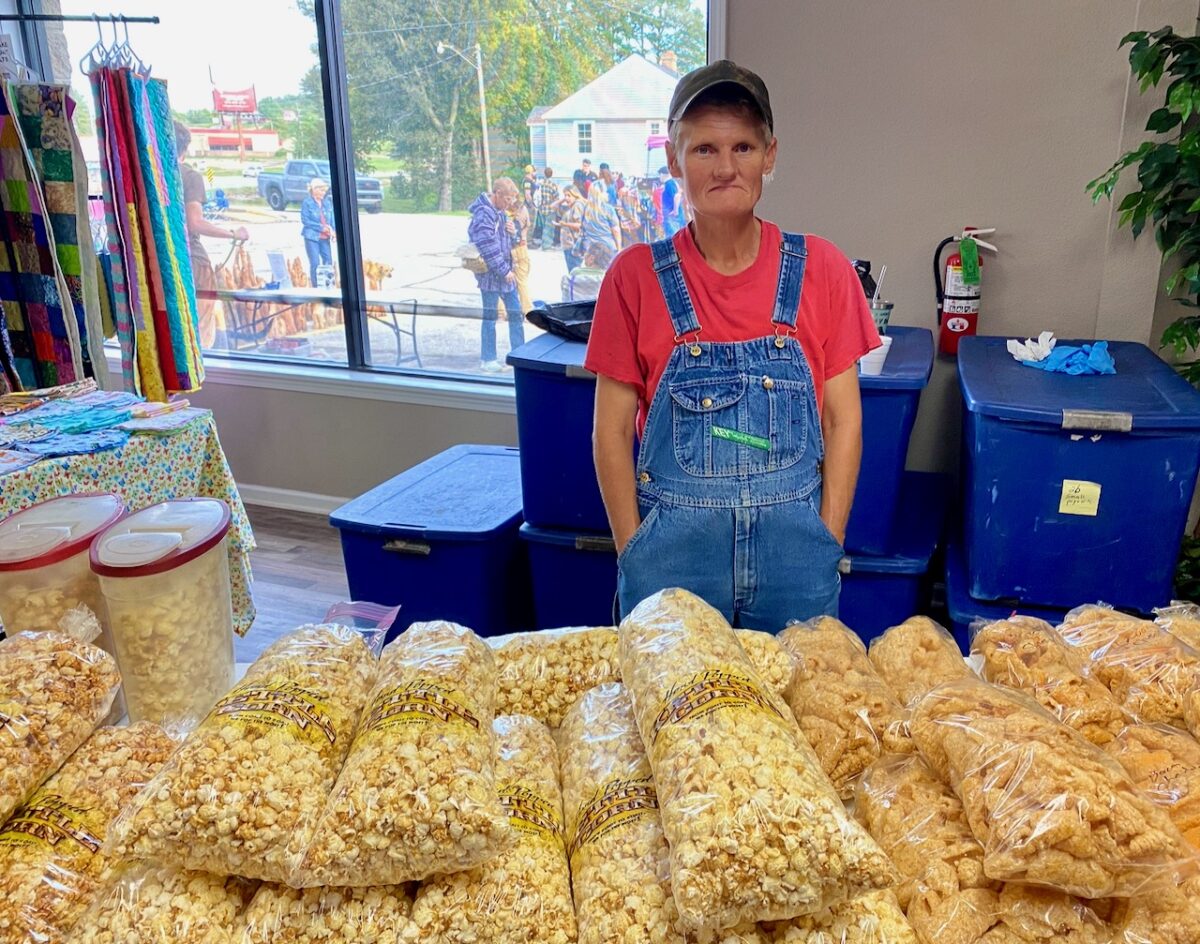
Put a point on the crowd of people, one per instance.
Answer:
(589, 220)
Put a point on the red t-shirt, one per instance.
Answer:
(632, 337)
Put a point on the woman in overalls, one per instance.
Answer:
(730, 350)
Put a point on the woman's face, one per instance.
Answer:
(721, 156)
(319, 193)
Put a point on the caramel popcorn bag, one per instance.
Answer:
(54, 691)
(146, 903)
(543, 674)
(243, 793)
(917, 656)
(521, 895)
(756, 830)
(844, 708)
(770, 659)
(1048, 807)
(51, 866)
(417, 795)
(873, 918)
(282, 915)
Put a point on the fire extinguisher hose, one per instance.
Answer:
(937, 274)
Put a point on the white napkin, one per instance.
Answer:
(1030, 350)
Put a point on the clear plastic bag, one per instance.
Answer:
(417, 794)
(756, 831)
(369, 618)
(1181, 620)
(1169, 916)
(1164, 763)
(152, 904)
(54, 691)
(1048, 807)
(1149, 671)
(922, 826)
(1029, 915)
(282, 915)
(846, 711)
(619, 857)
(873, 918)
(543, 674)
(523, 895)
(1026, 653)
(771, 661)
(50, 862)
(917, 656)
(244, 792)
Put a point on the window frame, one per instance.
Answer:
(582, 128)
(358, 377)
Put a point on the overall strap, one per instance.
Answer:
(674, 289)
(792, 256)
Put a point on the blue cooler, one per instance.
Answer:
(964, 610)
(1076, 489)
(555, 401)
(889, 407)
(441, 541)
(574, 577)
(880, 592)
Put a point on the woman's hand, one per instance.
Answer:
(612, 443)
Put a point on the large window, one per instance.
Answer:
(418, 116)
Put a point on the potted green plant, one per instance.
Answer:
(1168, 199)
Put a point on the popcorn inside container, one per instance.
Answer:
(44, 571)
(164, 575)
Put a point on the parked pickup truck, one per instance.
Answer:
(291, 186)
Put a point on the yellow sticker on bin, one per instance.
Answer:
(1079, 498)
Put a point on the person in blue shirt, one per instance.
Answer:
(610, 185)
(317, 226)
(674, 219)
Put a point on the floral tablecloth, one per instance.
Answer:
(149, 469)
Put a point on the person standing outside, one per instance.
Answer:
(492, 233)
(609, 184)
(674, 218)
(317, 226)
(547, 196)
(194, 198)
(570, 226)
(600, 221)
(519, 216)
(589, 177)
(730, 350)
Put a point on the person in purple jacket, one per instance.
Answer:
(492, 233)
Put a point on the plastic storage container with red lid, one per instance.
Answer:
(164, 574)
(44, 570)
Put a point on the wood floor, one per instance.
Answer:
(298, 575)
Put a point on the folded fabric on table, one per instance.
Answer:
(11, 460)
(16, 434)
(110, 399)
(166, 424)
(77, 444)
(86, 421)
(1087, 359)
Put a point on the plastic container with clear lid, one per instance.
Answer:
(164, 574)
(44, 572)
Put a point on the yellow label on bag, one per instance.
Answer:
(529, 812)
(617, 803)
(1079, 498)
(49, 822)
(279, 704)
(705, 692)
(422, 701)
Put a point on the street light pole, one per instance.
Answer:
(478, 64)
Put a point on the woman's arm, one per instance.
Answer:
(841, 424)
(612, 448)
(197, 225)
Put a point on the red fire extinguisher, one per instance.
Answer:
(958, 296)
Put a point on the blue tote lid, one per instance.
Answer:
(465, 493)
(1144, 394)
(551, 354)
(909, 362)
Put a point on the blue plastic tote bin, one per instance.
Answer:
(574, 577)
(1075, 489)
(441, 541)
(879, 592)
(889, 407)
(555, 402)
(965, 610)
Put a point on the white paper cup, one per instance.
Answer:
(871, 365)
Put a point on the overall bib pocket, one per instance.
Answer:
(730, 424)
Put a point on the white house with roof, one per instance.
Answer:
(608, 120)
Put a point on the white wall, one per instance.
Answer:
(898, 124)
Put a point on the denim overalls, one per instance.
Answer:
(729, 471)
